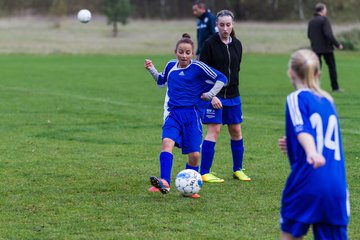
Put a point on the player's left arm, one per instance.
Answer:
(213, 91)
(221, 81)
(208, 73)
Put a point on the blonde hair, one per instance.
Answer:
(306, 66)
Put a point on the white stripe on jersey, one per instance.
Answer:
(166, 107)
(206, 68)
(294, 110)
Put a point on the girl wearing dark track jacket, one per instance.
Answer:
(223, 51)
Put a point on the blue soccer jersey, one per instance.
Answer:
(314, 195)
(185, 85)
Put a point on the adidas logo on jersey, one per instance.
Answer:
(182, 73)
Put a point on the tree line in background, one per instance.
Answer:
(261, 10)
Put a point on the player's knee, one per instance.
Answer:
(167, 145)
(235, 132)
(194, 158)
(213, 132)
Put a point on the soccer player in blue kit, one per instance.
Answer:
(316, 190)
(190, 85)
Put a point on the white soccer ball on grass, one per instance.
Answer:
(188, 182)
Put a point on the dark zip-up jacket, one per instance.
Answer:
(320, 34)
(226, 58)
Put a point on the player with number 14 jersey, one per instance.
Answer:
(314, 195)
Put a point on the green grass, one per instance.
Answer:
(81, 134)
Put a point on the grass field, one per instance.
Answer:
(80, 135)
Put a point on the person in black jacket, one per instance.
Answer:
(323, 41)
(223, 51)
(205, 24)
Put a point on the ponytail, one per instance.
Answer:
(185, 38)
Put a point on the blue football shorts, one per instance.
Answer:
(231, 113)
(184, 127)
(320, 230)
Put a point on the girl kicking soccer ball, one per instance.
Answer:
(190, 85)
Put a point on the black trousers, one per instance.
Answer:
(330, 62)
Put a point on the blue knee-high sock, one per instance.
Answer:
(166, 160)
(187, 166)
(207, 156)
(237, 149)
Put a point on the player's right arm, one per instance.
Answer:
(160, 78)
(297, 106)
(314, 158)
(151, 68)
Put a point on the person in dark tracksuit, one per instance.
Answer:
(205, 25)
(323, 41)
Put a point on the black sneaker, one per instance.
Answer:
(160, 184)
